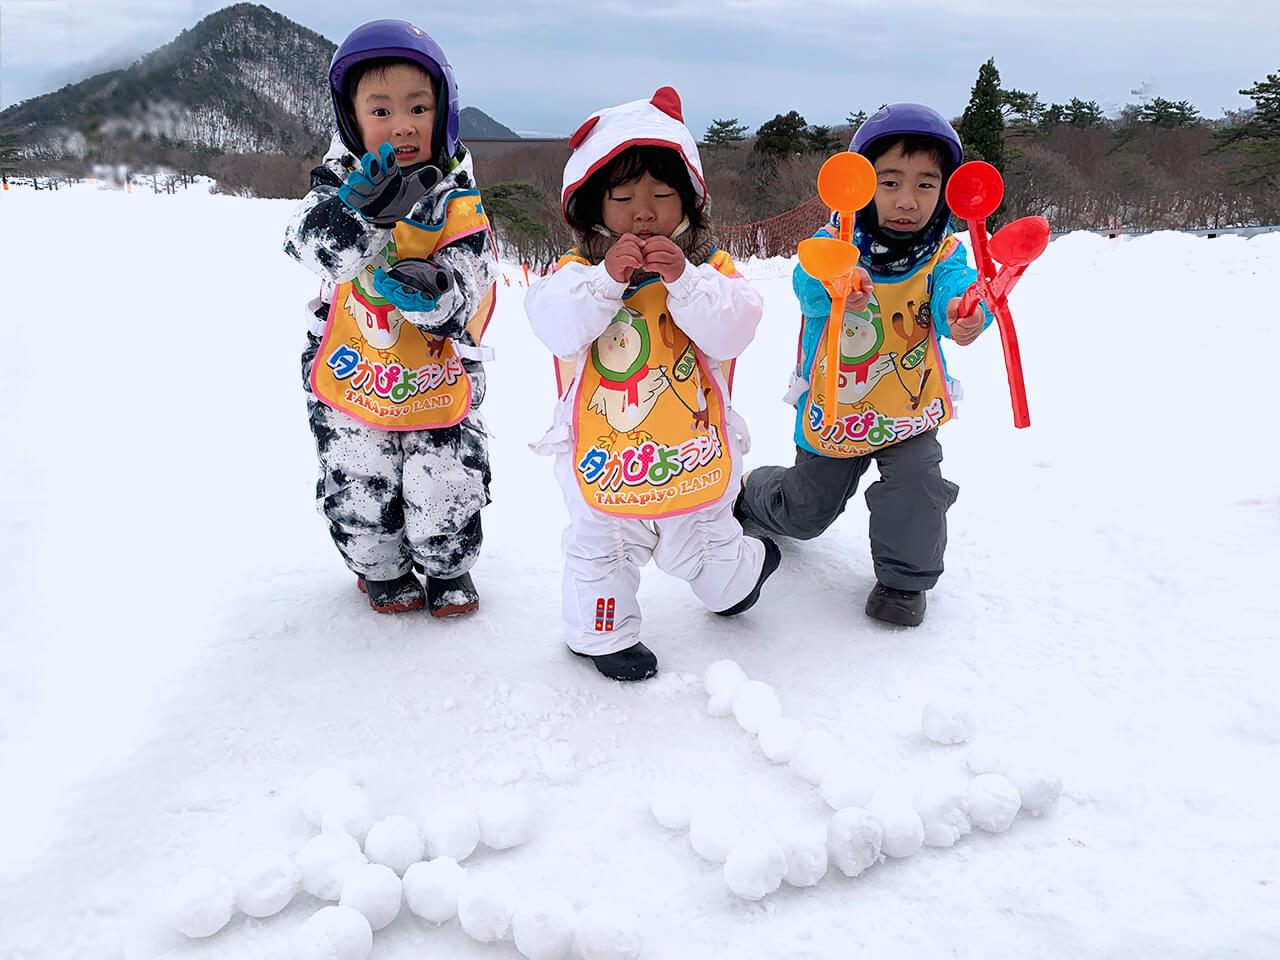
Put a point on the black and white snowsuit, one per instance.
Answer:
(394, 499)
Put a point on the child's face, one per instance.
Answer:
(644, 206)
(396, 105)
(907, 189)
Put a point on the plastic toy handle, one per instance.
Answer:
(835, 323)
(1012, 364)
(976, 293)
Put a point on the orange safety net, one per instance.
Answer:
(775, 237)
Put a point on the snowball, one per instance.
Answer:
(901, 830)
(323, 860)
(993, 802)
(201, 903)
(806, 853)
(713, 831)
(609, 931)
(778, 738)
(334, 933)
(451, 830)
(394, 842)
(265, 883)
(673, 804)
(543, 927)
(348, 811)
(814, 752)
(431, 888)
(845, 785)
(755, 866)
(486, 906)
(988, 755)
(853, 840)
(318, 789)
(948, 719)
(1039, 789)
(755, 704)
(723, 676)
(506, 820)
(374, 890)
(944, 811)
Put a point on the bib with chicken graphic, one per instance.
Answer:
(649, 420)
(892, 385)
(387, 373)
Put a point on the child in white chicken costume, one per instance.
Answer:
(645, 317)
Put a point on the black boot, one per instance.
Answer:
(393, 596)
(451, 597)
(902, 607)
(637, 662)
(772, 557)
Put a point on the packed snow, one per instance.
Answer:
(185, 653)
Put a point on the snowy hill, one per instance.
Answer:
(243, 79)
(183, 646)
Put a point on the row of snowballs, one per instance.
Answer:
(866, 826)
(371, 882)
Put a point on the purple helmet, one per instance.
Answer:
(898, 119)
(402, 40)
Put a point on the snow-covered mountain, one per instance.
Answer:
(245, 79)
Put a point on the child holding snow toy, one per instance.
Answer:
(893, 391)
(644, 317)
(394, 226)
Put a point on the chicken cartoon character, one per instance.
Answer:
(378, 319)
(861, 365)
(628, 388)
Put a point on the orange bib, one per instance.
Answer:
(648, 417)
(372, 365)
(892, 384)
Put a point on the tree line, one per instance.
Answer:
(1158, 164)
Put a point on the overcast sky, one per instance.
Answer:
(544, 65)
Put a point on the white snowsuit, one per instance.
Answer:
(603, 554)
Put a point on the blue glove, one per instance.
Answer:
(412, 285)
(381, 192)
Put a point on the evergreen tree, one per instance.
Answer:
(1021, 110)
(1167, 113)
(1257, 139)
(982, 126)
(856, 120)
(1084, 113)
(722, 132)
(822, 140)
(782, 136)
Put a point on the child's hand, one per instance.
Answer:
(663, 257)
(380, 192)
(624, 257)
(858, 299)
(964, 330)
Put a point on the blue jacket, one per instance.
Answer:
(951, 277)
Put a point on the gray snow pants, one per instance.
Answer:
(908, 505)
(394, 498)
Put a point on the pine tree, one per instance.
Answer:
(982, 126)
(822, 140)
(782, 136)
(722, 132)
(1257, 139)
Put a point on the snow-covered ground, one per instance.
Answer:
(182, 645)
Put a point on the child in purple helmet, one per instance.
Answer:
(892, 386)
(394, 226)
